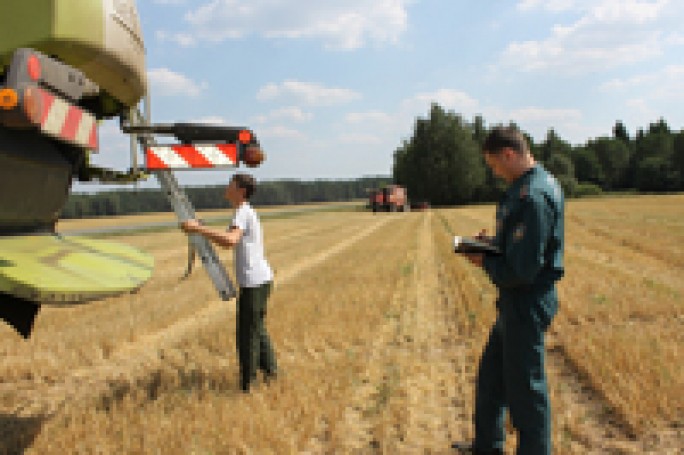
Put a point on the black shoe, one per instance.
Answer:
(467, 448)
(270, 376)
(463, 447)
(246, 384)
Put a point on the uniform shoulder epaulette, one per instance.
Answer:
(555, 186)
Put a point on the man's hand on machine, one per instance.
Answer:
(191, 226)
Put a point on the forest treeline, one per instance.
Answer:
(442, 162)
(278, 192)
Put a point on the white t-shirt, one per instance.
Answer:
(251, 268)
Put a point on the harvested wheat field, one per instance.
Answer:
(378, 328)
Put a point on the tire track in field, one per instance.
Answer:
(132, 361)
(635, 246)
(462, 296)
(405, 403)
(584, 421)
(430, 385)
(368, 414)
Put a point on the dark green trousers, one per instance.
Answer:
(512, 376)
(253, 343)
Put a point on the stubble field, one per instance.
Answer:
(378, 329)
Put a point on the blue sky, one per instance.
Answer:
(331, 88)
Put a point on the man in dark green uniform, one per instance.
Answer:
(529, 234)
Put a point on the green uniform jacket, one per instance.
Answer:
(529, 232)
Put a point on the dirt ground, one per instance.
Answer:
(378, 329)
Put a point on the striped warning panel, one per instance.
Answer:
(184, 156)
(67, 122)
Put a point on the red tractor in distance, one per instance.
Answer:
(391, 198)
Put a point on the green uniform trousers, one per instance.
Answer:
(512, 375)
(253, 343)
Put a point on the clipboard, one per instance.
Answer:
(468, 245)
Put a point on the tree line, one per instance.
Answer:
(277, 192)
(442, 162)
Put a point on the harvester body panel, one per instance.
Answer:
(102, 38)
(64, 64)
(35, 177)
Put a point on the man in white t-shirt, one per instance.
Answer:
(254, 276)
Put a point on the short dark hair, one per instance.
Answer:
(501, 137)
(246, 182)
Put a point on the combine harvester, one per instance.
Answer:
(390, 198)
(65, 65)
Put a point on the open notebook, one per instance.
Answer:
(470, 245)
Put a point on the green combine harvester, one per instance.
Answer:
(65, 65)
(90, 65)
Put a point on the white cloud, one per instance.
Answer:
(675, 39)
(292, 113)
(339, 24)
(609, 33)
(182, 39)
(212, 120)
(639, 104)
(547, 117)
(112, 138)
(386, 129)
(391, 126)
(360, 139)
(374, 127)
(662, 85)
(604, 9)
(115, 147)
(309, 93)
(629, 11)
(374, 117)
(568, 123)
(449, 99)
(548, 5)
(282, 132)
(535, 120)
(169, 83)
(169, 2)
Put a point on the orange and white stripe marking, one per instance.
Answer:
(64, 121)
(191, 156)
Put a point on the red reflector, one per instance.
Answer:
(245, 136)
(33, 67)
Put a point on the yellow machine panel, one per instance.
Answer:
(102, 38)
